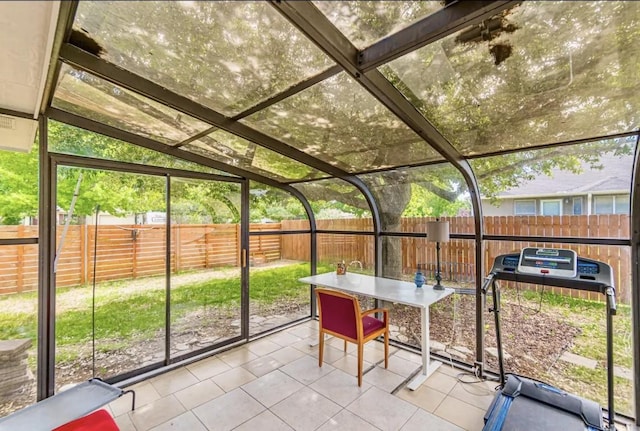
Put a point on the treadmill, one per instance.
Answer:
(530, 405)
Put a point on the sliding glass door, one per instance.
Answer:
(206, 264)
(147, 268)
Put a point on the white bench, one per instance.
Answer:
(64, 407)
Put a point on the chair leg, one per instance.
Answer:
(321, 349)
(386, 349)
(360, 361)
(345, 345)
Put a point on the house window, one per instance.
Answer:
(611, 204)
(577, 206)
(622, 205)
(551, 207)
(603, 204)
(523, 207)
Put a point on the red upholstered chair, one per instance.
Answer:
(99, 420)
(341, 317)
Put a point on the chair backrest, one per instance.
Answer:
(339, 312)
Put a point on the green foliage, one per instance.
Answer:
(117, 193)
(18, 185)
(425, 203)
(141, 313)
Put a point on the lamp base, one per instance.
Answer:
(438, 287)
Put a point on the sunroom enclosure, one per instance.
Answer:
(364, 121)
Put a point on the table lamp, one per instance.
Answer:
(438, 231)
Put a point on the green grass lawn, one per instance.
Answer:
(590, 317)
(123, 315)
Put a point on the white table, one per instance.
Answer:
(386, 289)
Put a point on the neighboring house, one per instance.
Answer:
(594, 191)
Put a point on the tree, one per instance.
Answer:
(536, 74)
(117, 193)
(18, 186)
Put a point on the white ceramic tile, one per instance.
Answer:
(349, 364)
(345, 420)
(383, 410)
(284, 339)
(235, 377)
(461, 414)
(306, 370)
(308, 345)
(198, 394)
(339, 387)
(262, 365)
(410, 356)
(400, 366)
(424, 397)
(449, 370)
(207, 368)
(339, 344)
(373, 353)
(228, 411)
(331, 354)
(383, 379)
(185, 422)
(263, 347)
(313, 323)
(441, 382)
(173, 381)
(287, 354)
(335, 382)
(272, 388)
(265, 421)
(156, 413)
(237, 356)
(145, 394)
(124, 423)
(304, 331)
(476, 394)
(290, 409)
(422, 421)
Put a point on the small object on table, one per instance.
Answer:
(419, 278)
(341, 268)
(438, 231)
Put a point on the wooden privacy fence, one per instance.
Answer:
(131, 251)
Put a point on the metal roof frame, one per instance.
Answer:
(361, 65)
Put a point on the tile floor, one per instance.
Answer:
(275, 384)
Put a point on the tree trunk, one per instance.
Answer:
(392, 199)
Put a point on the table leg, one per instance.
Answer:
(428, 367)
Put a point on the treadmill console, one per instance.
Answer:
(589, 275)
(548, 261)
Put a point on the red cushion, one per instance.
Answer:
(99, 420)
(370, 324)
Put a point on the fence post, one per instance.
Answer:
(20, 280)
(206, 247)
(83, 254)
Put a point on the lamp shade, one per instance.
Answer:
(438, 231)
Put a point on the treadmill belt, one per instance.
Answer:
(527, 405)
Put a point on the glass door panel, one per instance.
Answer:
(109, 273)
(206, 270)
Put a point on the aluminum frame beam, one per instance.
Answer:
(80, 59)
(436, 26)
(141, 141)
(317, 27)
(635, 276)
(46, 279)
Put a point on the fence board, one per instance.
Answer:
(130, 251)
